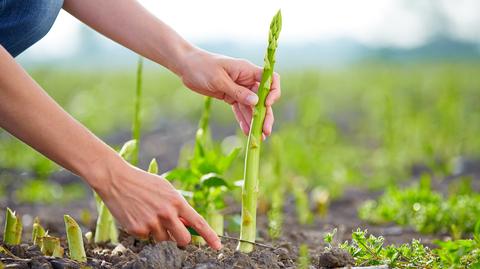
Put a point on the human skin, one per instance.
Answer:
(144, 204)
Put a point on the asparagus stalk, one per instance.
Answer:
(153, 167)
(201, 136)
(37, 232)
(12, 233)
(136, 117)
(75, 240)
(252, 157)
(51, 246)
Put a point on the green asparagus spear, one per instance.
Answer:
(75, 240)
(12, 233)
(252, 158)
(37, 232)
(153, 167)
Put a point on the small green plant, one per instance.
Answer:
(51, 246)
(37, 232)
(369, 250)
(12, 233)
(248, 230)
(202, 179)
(75, 240)
(425, 210)
(153, 167)
(136, 126)
(303, 257)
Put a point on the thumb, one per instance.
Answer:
(241, 94)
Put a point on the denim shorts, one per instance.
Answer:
(24, 22)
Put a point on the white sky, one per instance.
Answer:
(399, 23)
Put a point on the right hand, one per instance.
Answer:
(145, 204)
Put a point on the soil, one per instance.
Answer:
(133, 253)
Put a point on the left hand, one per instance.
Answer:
(233, 80)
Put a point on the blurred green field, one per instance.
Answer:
(366, 125)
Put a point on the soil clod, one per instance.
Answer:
(334, 257)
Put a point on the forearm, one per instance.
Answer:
(28, 113)
(128, 23)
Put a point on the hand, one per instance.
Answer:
(146, 204)
(233, 80)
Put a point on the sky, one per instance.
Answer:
(375, 23)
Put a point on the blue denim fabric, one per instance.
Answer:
(24, 22)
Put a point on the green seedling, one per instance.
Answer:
(277, 190)
(106, 229)
(136, 126)
(75, 240)
(37, 232)
(303, 257)
(425, 210)
(302, 202)
(201, 180)
(153, 167)
(12, 233)
(51, 246)
(252, 157)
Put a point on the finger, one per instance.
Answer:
(254, 88)
(240, 93)
(275, 90)
(239, 116)
(179, 232)
(247, 115)
(268, 122)
(198, 223)
(160, 234)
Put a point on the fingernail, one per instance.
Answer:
(252, 99)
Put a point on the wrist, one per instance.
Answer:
(101, 172)
(184, 56)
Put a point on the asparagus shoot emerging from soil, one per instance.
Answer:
(137, 113)
(12, 234)
(75, 240)
(153, 167)
(50, 246)
(252, 158)
(37, 232)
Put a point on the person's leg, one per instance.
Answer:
(24, 22)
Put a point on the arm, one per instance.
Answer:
(143, 203)
(232, 80)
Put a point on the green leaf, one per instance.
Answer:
(212, 180)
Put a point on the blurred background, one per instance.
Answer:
(373, 92)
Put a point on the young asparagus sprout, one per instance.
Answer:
(106, 229)
(303, 257)
(51, 246)
(37, 232)
(12, 233)
(75, 240)
(137, 113)
(153, 167)
(252, 157)
(128, 149)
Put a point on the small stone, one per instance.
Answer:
(119, 249)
